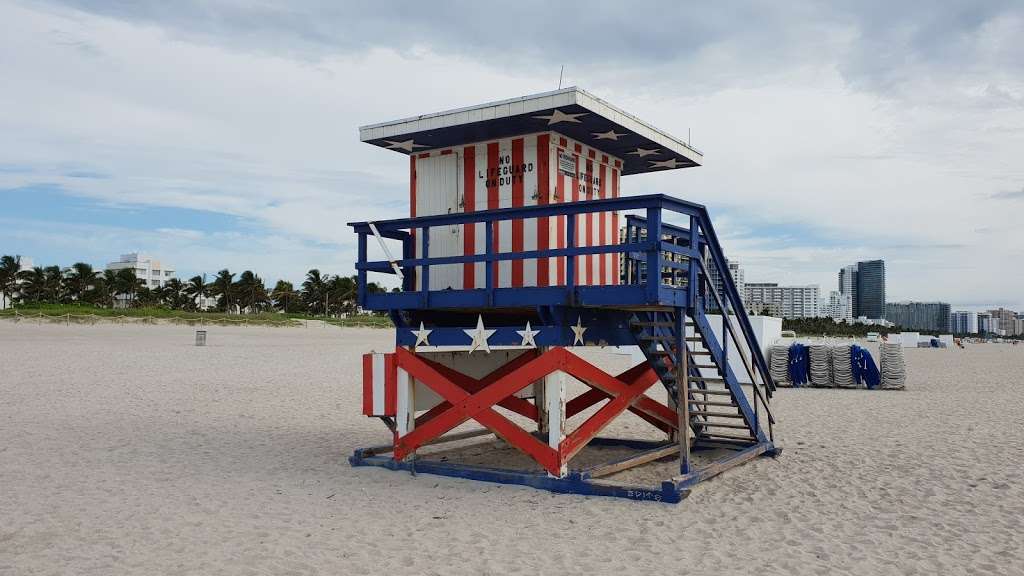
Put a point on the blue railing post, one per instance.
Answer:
(692, 268)
(409, 272)
(361, 281)
(653, 254)
(489, 266)
(425, 286)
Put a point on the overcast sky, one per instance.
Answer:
(224, 134)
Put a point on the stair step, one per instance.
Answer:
(667, 353)
(708, 379)
(708, 366)
(729, 436)
(720, 425)
(710, 403)
(712, 392)
(715, 414)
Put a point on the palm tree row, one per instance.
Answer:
(320, 294)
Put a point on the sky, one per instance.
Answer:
(224, 133)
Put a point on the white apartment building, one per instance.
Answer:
(153, 272)
(963, 322)
(839, 306)
(784, 301)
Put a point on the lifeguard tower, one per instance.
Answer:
(519, 249)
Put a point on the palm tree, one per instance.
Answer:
(32, 285)
(197, 290)
(54, 285)
(81, 281)
(314, 291)
(342, 293)
(222, 287)
(9, 268)
(126, 285)
(285, 297)
(173, 294)
(250, 292)
(107, 285)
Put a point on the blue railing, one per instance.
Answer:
(675, 254)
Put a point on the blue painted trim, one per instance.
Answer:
(574, 483)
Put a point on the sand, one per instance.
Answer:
(127, 450)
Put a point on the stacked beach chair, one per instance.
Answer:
(821, 365)
(894, 374)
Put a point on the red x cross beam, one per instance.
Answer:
(466, 398)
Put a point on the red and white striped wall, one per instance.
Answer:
(379, 385)
(512, 172)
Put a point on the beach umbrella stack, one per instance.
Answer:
(842, 369)
(894, 373)
(778, 364)
(821, 365)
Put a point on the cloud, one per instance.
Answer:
(831, 134)
(1008, 195)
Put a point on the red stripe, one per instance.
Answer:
(368, 385)
(590, 220)
(615, 226)
(560, 223)
(445, 152)
(469, 205)
(390, 386)
(543, 230)
(562, 142)
(517, 174)
(492, 197)
(603, 228)
(425, 155)
(591, 153)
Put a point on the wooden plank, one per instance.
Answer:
(632, 462)
(720, 466)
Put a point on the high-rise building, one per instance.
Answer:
(870, 298)
(963, 322)
(927, 316)
(985, 323)
(839, 306)
(784, 301)
(848, 285)
(150, 271)
(1006, 319)
(738, 278)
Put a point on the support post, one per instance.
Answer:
(554, 398)
(653, 255)
(405, 418)
(540, 401)
(695, 253)
(683, 391)
(361, 275)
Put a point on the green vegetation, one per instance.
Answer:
(86, 313)
(81, 291)
(829, 327)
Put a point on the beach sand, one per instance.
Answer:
(128, 450)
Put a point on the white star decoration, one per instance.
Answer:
(479, 336)
(609, 135)
(642, 152)
(577, 331)
(557, 116)
(528, 336)
(407, 145)
(421, 336)
(670, 163)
